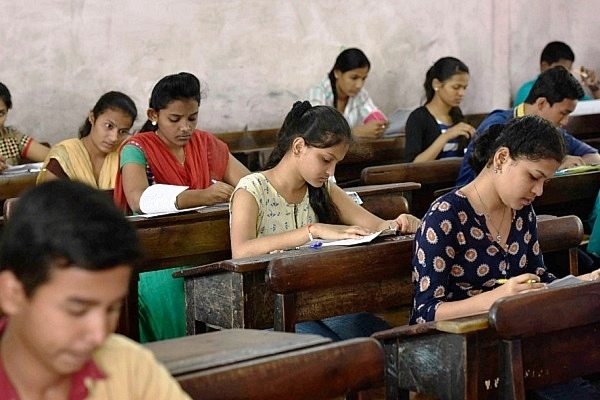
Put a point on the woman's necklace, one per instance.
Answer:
(489, 216)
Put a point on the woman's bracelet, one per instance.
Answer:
(310, 236)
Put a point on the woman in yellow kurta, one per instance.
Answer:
(93, 157)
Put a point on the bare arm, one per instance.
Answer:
(591, 158)
(235, 171)
(244, 243)
(353, 214)
(37, 152)
(372, 129)
(134, 182)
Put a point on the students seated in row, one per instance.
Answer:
(559, 53)
(436, 130)
(553, 97)
(66, 259)
(16, 147)
(170, 150)
(487, 230)
(343, 90)
(293, 202)
(93, 157)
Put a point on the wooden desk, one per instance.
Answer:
(569, 194)
(13, 185)
(250, 364)
(202, 237)
(368, 152)
(586, 128)
(234, 294)
(459, 359)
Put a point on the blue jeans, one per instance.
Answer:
(344, 327)
(575, 389)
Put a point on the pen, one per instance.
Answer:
(316, 245)
(503, 281)
(583, 74)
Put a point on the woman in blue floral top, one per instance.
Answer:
(487, 230)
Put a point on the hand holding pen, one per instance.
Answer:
(521, 284)
(588, 78)
(404, 223)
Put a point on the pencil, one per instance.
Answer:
(583, 74)
(503, 281)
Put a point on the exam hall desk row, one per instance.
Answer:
(279, 290)
(202, 237)
(262, 365)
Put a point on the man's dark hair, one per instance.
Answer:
(555, 84)
(68, 223)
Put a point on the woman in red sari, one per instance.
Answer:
(170, 150)
(195, 169)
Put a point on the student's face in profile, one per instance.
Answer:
(557, 113)
(109, 129)
(452, 90)
(317, 165)
(523, 180)
(3, 113)
(67, 317)
(349, 83)
(176, 122)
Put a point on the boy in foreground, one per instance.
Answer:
(66, 259)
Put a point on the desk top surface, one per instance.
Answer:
(210, 350)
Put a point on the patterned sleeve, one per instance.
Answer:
(435, 243)
(534, 254)
(317, 95)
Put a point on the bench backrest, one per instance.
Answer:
(554, 331)
(561, 233)
(270, 365)
(379, 280)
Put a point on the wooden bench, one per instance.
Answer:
(546, 338)
(458, 359)
(525, 342)
(432, 175)
(202, 237)
(14, 185)
(363, 278)
(569, 194)
(234, 293)
(250, 364)
(586, 128)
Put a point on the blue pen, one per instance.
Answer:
(316, 245)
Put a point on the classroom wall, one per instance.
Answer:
(258, 56)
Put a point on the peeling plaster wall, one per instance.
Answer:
(258, 56)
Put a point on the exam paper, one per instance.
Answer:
(23, 168)
(345, 242)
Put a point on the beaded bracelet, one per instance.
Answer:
(310, 236)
